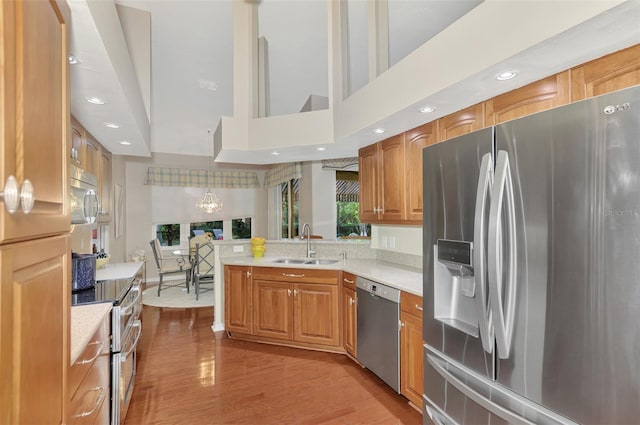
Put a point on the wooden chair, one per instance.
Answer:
(169, 266)
(204, 267)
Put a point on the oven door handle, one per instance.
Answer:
(125, 309)
(125, 354)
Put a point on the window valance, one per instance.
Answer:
(340, 163)
(283, 173)
(224, 179)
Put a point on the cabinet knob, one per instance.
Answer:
(248, 275)
(13, 198)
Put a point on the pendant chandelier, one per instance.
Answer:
(210, 203)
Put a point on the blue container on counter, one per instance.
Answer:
(83, 271)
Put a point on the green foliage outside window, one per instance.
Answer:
(168, 234)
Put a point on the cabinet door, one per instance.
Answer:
(416, 140)
(349, 320)
(368, 180)
(238, 299)
(77, 143)
(462, 122)
(104, 186)
(92, 155)
(34, 348)
(273, 309)
(391, 166)
(34, 128)
(616, 71)
(316, 314)
(541, 95)
(411, 367)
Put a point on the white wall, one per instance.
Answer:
(318, 199)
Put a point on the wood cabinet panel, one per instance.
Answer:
(273, 309)
(293, 275)
(92, 155)
(349, 280)
(349, 320)
(34, 348)
(104, 186)
(368, 181)
(411, 304)
(411, 358)
(416, 140)
(238, 296)
(616, 71)
(462, 122)
(316, 318)
(35, 107)
(544, 94)
(77, 143)
(391, 168)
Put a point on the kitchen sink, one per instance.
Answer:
(320, 262)
(291, 261)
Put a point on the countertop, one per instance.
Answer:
(85, 320)
(395, 275)
(118, 270)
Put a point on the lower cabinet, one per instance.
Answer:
(411, 358)
(238, 294)
(89, 380)
(349, 313)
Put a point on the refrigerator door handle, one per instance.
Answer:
(502, 306)
(483, 195)
(511, 417)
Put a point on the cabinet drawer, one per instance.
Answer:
(411, 304)
(349, 280)
(98, 345)
(90, 401)
(329, 277)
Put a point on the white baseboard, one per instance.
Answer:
(217, 327)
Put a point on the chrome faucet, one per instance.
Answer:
(306, 229)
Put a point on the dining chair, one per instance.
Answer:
(169, 266)
(204, 267)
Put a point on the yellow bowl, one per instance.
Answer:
(101, 262)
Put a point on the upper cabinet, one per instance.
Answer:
(34, 130)
(606, 74)
(77, 152)
(544, 94)
(92, 155)
(105, 196)
(462, 122)
(381, 176)
(416, 140)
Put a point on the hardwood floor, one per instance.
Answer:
(189, 375)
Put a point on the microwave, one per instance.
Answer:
(83, 197)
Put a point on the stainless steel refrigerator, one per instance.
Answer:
(531, 241)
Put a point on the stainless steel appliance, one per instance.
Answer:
(378, 319)
(531, 241)
(83, 199)
(126, 329)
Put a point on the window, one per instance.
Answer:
(168, 234)
(241, 228)
(348, 217)
(214, 228)
(289, 208)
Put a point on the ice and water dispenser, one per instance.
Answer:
(454, 285)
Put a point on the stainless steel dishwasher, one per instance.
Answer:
(378, 342)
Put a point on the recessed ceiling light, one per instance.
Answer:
(506, 75)
(275, 153)
(95, 100)
(379, 130)
(427, 109)
(111, 125)
(321, 148)
(73, 60)
(125, 143)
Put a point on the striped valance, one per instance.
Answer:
(340, 163)
(182, 177)
(283, 173)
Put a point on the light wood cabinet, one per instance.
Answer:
(89, 384)
(462, 122)
(382, 177)
(34, 102)
(238, 296)
(349, 313)
(411, 348)
(297, 305)
(541, 95)
(616, 71)
(77, 152)
(34, 348)
(416, 140)
(92, 155)
(105, 184)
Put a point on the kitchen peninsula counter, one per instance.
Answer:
(85, 320)
(405, 278)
